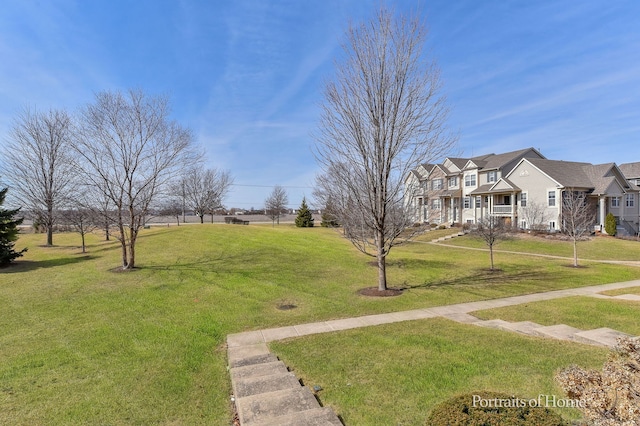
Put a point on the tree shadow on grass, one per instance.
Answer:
(486, 277)
(31, 265)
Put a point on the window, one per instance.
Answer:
(492, 176)
(638, 182)
(435, 204)
(436, 184)
(523, 199)
(631, 200)
(552, 226)
(467, 202)
(615, 201)
(478, 202)
(453, 182)
(523, 224)
(552, 198)
(470, 180)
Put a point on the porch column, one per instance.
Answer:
(451, 209)
(513, 209)
(602, 204)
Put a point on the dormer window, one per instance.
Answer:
(492, 176)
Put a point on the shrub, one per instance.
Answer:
(462, 411)
(610, 397)
(610, 226)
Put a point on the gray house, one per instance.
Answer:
(524, 188)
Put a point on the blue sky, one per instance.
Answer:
(246, 75)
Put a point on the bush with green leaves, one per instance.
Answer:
(492, 408)
(610, 226)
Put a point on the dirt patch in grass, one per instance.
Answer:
(374, 292)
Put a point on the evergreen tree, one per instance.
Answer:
(8, 232)
(304, 219)
(610, 226)
(329, 216)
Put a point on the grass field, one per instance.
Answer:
(80, 344)
(394, 374)
(597, 248)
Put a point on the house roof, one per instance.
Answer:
(630, 170)
(496, 161)
(496, 187)
(569, 174)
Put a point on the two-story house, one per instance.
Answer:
(459, 189)
(527, 190)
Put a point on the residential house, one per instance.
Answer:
(456, 191)
(525, 189)
(541, 182)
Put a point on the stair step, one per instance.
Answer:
(263, 384)
(257, 370)
(524, 327)
(323, 416)
(494, 323)
(633, 297)
(252, 360)
(268, 406)
(462, 318)
(559, 331)
(600, 336)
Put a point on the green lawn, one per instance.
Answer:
(581, 312)
(82, 345)
(597, 248)
(395, 374)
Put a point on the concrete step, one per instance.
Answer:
(323, 416)
(462, 317)
(268, 406)
(559, 331)
(600, 336)
(494, 323)
(633, 297)
(263, 384)
(247, 355)
(524, 327)
(257, 370)
(252, 360)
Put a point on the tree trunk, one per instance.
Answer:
(83, 245)
(202, 218)
(575, 253)
(49, 227)
(133, 236)
(382, 267)
(491, 255)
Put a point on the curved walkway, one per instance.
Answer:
(439, 242)
(266, 393)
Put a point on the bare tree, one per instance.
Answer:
(535, 214)
(171, 207)
(40, 164)
(382, 116)
(491, 229)
(82, 220)
(578, 217)
(276, 203)
(204, 189)
(130, 150)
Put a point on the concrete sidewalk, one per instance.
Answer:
(266, 393)
(272, 334)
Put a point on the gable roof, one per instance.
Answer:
(569, 174)
(630, 170)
